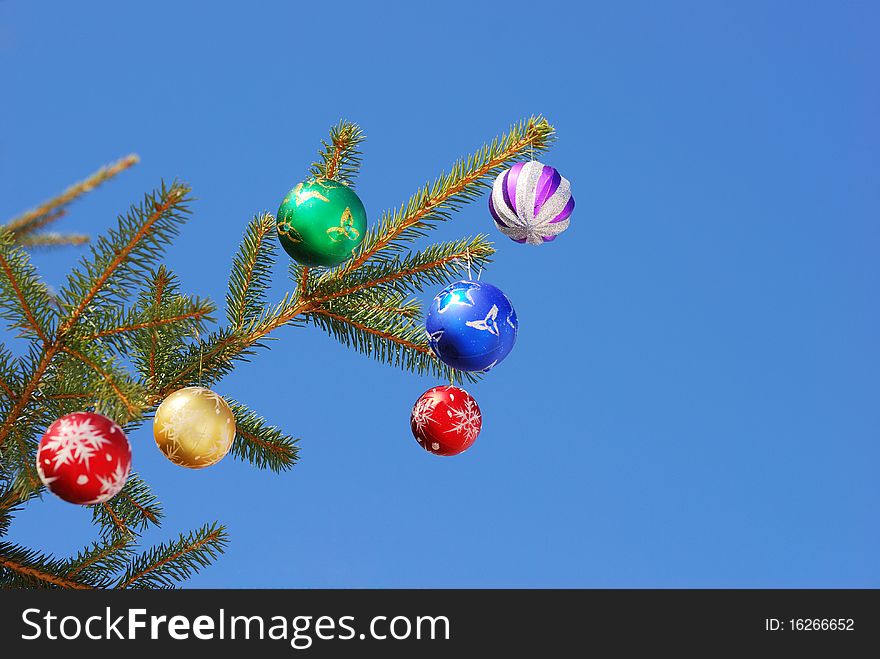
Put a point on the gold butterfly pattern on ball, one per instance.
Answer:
(286, 230)
(346, 228)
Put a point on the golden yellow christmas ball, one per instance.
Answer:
(194, 427)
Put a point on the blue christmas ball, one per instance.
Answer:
(471, 325)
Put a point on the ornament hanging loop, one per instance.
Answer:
(199, 341)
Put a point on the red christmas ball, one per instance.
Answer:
(84, 458)
(446, 420)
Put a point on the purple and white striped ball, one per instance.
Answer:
(531, 203)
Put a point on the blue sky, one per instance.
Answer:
(692, 400)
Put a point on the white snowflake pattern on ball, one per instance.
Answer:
(421, 414)
(219, 403)
(75, 441)
(466, 419)
(174, 425)
(111, 485)
(47, 480)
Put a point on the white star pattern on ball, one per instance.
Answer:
(75, 441)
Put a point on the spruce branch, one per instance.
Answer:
(54, 208)
(117, 523)
(167, 320)
(20, 566)
(370, 323)
(189, 313)
(436, 265)
(259, 443)
(449, 192)
(160, 316)
(340, 158)
(120, 261)
(166, 564)
(301, 277)
(39, 224)
(98, 563)
(320, 305)
(208, 361)
(117, 394)
(251, 273)
(362, 331)
(129, 512)
(217, 353)
(51, 239)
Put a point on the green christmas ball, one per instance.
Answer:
(321, 222)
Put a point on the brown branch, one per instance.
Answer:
(159, 322)
(186, 550)
(400, 274)
(333, 165)
(247, 341)
(425, 350)
(120, 525)
(51, 239)
(146, 512)
(27, 220)
(161, 282)
(302, 287)
(22, 300)
(45, 220)
(274, 448)
(42, 576)
(265, 228)
(25, 396)
(344, 138)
